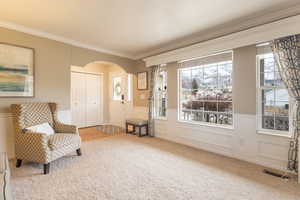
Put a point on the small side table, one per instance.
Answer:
(137, 124)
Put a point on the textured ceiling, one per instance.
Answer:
(135, 28)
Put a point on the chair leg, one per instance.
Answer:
(78, 151)
(19, 163)
(46, 168)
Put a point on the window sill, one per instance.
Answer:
(277, 134)
(207, 125)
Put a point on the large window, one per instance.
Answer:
(160, 95)
(205, 94)
(273, 98)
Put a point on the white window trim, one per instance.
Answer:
(213, 125)
(259, 129)
(156, 117)
(129, 87)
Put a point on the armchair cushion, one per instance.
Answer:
(58, 141)
(44, 128)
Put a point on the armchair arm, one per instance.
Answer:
(64, 128)
(33, 146)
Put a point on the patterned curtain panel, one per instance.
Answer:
(153, 74)
(287, 55)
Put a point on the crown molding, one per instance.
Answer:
(43, 34)
(255, 20)
(256, 35)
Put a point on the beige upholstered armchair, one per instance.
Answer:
(38, 147)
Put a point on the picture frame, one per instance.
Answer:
(17, 71)
(142, 80)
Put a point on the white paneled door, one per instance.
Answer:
(92, 100)
(86, 99)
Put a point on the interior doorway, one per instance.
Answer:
(86, 99)
(121, 97)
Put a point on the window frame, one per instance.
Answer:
(129, 87)
(201, 123)
(156, 116)
(259, 103)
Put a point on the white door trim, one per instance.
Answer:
(101, 75)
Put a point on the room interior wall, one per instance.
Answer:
(244, 78)
(52, 62)
(52, 76)
(242, 141)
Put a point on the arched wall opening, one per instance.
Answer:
(111, 109)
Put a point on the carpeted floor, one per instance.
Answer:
(93, 133)
(127, 167)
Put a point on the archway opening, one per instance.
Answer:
(116, 95)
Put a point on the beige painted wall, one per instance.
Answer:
(244, 80)
(52, 67)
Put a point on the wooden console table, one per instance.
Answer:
(137, 124)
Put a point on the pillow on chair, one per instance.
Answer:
(44, 128)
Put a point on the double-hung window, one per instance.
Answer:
(160, 94)
(273, 98)
(205, 92)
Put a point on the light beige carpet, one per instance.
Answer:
(128, 167)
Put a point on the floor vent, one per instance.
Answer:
(269, 172)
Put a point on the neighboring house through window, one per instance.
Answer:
(273, 98)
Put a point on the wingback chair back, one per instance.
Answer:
(39, 147)
(30, 114)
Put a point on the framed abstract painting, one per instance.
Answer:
(16, 71)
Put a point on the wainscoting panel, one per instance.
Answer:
(242, 142)
(6, 134)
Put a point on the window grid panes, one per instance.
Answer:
(161, 94)
(206, 94)
(274, 98)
